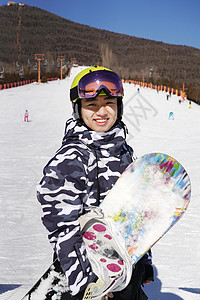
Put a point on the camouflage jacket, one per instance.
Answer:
(80, 175)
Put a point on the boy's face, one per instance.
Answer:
(100, 113)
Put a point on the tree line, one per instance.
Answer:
(28, 30)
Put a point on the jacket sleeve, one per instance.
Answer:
(62, 192)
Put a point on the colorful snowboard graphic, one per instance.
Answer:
(146, 201)
(155, 191)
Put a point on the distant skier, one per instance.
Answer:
(26, 116)
(171, 115)
(190, 104)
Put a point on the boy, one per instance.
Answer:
(93, 155)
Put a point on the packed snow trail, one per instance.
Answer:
(26, 147)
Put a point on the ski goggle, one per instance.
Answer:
(92, 84)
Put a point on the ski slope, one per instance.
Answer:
(25, 252)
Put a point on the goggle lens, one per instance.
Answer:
(92, 83)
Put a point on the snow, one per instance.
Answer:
(26, 147)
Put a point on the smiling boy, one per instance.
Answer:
(99, 114)
(93, 155)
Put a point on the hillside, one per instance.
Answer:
(26, 30)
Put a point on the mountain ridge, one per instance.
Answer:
(26, 30)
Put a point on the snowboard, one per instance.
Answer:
(144, 204)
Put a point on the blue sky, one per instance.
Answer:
(170, 21)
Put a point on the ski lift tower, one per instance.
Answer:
(184, 91)
(61, 59)
(39, 57)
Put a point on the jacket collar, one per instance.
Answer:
(110, 141)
